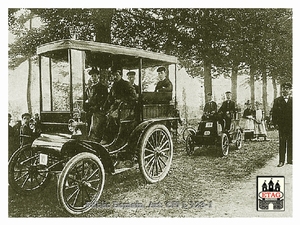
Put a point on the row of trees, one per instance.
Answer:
(208, 42)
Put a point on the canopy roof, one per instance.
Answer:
(105, 53)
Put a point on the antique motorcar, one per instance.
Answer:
(211, 132)
(63, 148)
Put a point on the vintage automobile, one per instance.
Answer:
(211, 132)
(63, 148)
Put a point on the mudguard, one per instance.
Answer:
(66, 146)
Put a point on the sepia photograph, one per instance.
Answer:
(150, 112)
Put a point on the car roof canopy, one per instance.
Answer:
(104, 55)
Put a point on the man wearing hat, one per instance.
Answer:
(131, 78)
(227, 110)
(164, 84)
(282, 116)
(96, 96)
(210, 107)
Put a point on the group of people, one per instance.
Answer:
(224, 114)
(21, 134)
(282, 116)
(102, 105)
(253, 121)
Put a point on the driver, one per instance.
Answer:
(210, 107)
(227, 110)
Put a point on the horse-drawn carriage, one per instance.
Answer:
(63, 148)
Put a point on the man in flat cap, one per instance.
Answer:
(131, 79)
(210, 107)
(164, 84)
(282, 116)
(227, 110)
(96, 97)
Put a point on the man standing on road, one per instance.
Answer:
(282, 116)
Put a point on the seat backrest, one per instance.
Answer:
(156, 97)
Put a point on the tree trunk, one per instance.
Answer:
(207, 78)
(234, 82)
(275, 92)
(102, 21)
(29, 105)
(264, 90)
(252, 86)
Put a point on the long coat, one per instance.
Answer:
(282, 113)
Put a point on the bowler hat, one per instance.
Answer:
(228, 92)
(161, 69)
(93, 71)
(131, 73)
(286, 85)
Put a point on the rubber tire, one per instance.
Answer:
(141, 156)
(62, 179)
(189, 146)
(239, 136)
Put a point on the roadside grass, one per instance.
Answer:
(196, 180)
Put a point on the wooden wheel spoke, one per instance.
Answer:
(93, 173)
(149, 162)
(148, 156)
(160, 159)
(149, 150)
(76, 197)
(72, 194)
(25, 181)
(150, 144)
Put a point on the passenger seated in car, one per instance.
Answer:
(164, 84)
(121, 92)
(227, 111)
(210, 108)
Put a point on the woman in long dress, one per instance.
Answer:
(247, 122)
(259, 124)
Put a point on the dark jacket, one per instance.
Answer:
(248, 112)
(97, 98)
(122, 90)
(164, 86)
(210, 106)
(282, 113)
(227, 106)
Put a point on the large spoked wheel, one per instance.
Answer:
(188, 131)
(26, 173)
(81, 183)
(224, 144)
(156, 153)
(239, 140)
(189, 145)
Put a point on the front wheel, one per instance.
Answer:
(156, 153)
(81, 183)
(27, 173)
(224, 144)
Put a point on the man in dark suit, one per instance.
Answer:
(227, 110)
(131, 79)
(164, 84)
(97, 95)
(282, 116)
(210, 107)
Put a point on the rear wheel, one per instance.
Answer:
(187, 131)
(156, 153)
(81, 183)
(29, 170)
(189, 145)
(239, 139)
(224, 144)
